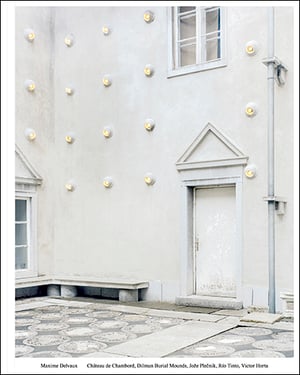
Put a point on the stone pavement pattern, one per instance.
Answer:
(56, 327)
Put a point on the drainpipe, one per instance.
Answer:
(271, 200)
(276, 73)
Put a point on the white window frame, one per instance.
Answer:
(173, 68)
(31, 270)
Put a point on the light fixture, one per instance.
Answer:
(29, 35)
(250, 171)
(148, 16)
(107, 182)
(149, 179)
(70, 185)
(149, 70)
(70, 137)
(106, 80)
(69, 40)
(251, 109)
(29, 85)
(251, 48)
(106, 30)
(69, 90)
(149, 124)
(30, 134)
(107, 132)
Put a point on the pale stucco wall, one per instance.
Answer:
(133, 230)
(36, 110)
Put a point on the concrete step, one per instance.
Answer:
(210, 301)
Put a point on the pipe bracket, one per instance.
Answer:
(280, 203)
(279, 67)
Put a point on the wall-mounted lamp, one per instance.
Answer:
(107, 182)
(250, 171)
(29, 35)
(70, 137)
(69, 40)
(149, 124)
(29, 85)
(70, 185)
(30, 134)
(69, 90)
(148, 16)
(107, 81)
(251, 48)
(107, 132)
(149, 70)
(251, 109)
(149, 179)
(106, 30)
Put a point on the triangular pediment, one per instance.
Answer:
(24, 171)
(211, 148)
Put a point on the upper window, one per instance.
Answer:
(197, 39)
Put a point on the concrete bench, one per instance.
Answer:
(66, 286)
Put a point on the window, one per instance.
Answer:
(24, 237)
(22, 233)
(196, 39)
(27, 181)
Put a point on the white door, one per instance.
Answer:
(215, 241)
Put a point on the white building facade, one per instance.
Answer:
(142, 155)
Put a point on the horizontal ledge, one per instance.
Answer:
(211, 163)
(33, 281)
(101, 283)
(28, 180)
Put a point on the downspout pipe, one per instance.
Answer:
(271, 179)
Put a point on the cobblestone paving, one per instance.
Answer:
(55, 331)
(243, 342)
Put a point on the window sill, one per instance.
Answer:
(20, 274)
(196, 68)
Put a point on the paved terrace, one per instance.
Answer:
(48, 327)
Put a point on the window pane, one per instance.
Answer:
(187, 27)
(21, 210)
(21, 262)
(188, 55)
(212, 20)
(186, 9)
(21, 234)
(212, 49)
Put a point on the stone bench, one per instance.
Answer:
(66, 286)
